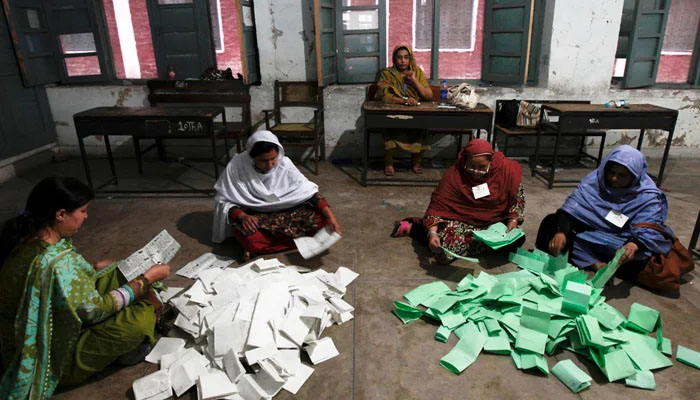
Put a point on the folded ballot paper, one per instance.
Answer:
(311, 246)
(546, 307)
(495, 236)
(243, 330)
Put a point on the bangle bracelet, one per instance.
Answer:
(431, 233)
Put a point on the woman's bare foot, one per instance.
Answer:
(598, 265)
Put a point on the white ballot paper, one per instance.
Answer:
(205, 261)
(160, 250)
(311, 246)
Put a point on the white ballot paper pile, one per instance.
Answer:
(160, 250)
(311, 246)
(245, 330)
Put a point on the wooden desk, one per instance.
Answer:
(148, 123)
(583, 117)
(379, 115)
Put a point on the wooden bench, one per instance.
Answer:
(227, 93)
(517, 131)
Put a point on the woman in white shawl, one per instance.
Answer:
(265, 202)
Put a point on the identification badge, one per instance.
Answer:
(617, 218)
(481, 191)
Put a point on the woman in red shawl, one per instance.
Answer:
(481, 189)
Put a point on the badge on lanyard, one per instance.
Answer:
(617, 218)
(481, 191)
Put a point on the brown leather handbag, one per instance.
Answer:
(663, 271)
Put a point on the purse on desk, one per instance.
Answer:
(663, 271)
(528, 115)
(463, 96)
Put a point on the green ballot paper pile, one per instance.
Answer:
(496, 237)
(546, 307)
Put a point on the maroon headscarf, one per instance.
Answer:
(454, 199)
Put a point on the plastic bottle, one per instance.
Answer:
(443, 93)
(616, 103)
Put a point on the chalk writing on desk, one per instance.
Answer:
(593, 121)
(181, 84)
(190, 126)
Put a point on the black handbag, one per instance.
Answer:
(507, 113)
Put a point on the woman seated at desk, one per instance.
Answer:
(403, 83)
(482, 188)
(599, 216)
(62, 319)
(265, 202)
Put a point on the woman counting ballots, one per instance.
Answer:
(265, 202)
(61, 318)
(602, 214)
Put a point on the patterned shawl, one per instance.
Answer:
(592, 200)
(391, 81)
(44, 284)
(454, 199)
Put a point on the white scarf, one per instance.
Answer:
(242, 185)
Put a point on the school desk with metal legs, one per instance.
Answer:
(174, 122)
(379, 115)
(584, 117)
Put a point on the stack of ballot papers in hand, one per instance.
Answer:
(496, 237)
(546, 307)
(244, 331)
(311, 246)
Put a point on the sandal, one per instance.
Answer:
(389, 170)
(417, 169)
(401, 229)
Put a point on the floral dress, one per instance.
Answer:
(457, 236)
(298, 221)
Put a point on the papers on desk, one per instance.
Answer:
(258, 317)
(311, 246)
(496, 237)
(160, 250)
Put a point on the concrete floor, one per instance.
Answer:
(380, 358)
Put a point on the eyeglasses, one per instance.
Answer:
(478, 172)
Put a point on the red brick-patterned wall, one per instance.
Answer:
(144, 42)
(231, 57)
(453, 65)
(673, 68)
(114, 38)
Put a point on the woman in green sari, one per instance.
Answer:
(403, 83)
(62, 319)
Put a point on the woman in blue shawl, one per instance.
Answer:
(599, 217)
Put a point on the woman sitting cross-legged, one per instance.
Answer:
(61, 318)
(599, 217)
(482, 188)
(265, 202)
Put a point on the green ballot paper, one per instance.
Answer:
(495, 236)
(455, 255)
(688, 356)
(603, 276)
(466, 351)
(642, 380)
(571, 375)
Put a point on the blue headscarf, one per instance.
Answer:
(642, 201)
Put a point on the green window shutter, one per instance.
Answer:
(181, 35)
(645, 44)
(694, 75)
(360, 41)
(626, 28)
(33, 41)
(250, 60)
(326, 52)
(506, 31)
(79, 28)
